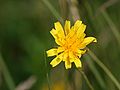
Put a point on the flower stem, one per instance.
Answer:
(106, 70)
(86, 79)
(53, 10)
(47, 76)
(96, 73)
(6, 74)
(112, 26)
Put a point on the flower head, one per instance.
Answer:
(71, 43)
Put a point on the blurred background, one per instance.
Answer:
(24, 38)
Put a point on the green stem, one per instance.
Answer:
(106, 70)
(47, 76)
(112, 26)
(86, 79)
(95, 72)
(6, 74)
(53, 10)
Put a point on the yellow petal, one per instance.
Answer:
(65, 56)
(71, 33)
(81, 30)
(56, 60)
(87, 41)
(58, 39)
(59, 30)
(77, 37)
(58, 26)
(67, 27)
(67, 64)
(52, 52)
(60, 49)
(80, 52)
(77, 62)
(77, 24)
(71, 56)
(54, 33)
(78, 41)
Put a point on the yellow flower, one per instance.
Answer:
(71, 43)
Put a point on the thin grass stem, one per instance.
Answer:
(112, 26)
(6, 74)
(47, 75)
(53, 10)
(86, 79)
(95, 71)
(106, 70)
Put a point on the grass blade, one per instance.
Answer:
(6, 74)
(86, 79)
(106, 70)
(112, 26)
(47, 76)
(53, 10)
(95, 71)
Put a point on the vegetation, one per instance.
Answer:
(24, 38)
